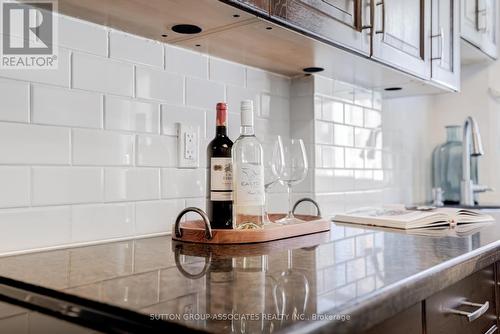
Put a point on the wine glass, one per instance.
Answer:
(273, 162)
(293, 171)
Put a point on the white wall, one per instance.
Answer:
(474, 100)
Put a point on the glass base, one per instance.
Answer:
(290, 221)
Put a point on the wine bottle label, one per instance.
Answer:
(221, 179)
(249, 184)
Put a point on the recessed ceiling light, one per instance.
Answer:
(393, 89)
(236, 15)
(198, 45)
(188, 29)
(313, 69)
(269, 28)
(164, 35)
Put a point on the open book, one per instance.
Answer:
(401, 218)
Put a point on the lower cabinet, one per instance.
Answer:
(406, 322)
(466, 307)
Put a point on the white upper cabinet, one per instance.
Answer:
(479, 25)
(401, 35)
(445, 43)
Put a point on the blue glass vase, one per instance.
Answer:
(447, 165)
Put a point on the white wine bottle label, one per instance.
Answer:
(249, 179)
(221, 179)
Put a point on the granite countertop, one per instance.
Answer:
(344, 280)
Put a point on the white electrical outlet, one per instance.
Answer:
(187, 146)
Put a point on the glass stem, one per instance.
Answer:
(290, 205)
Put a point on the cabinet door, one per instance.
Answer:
(336, 21)
(469, 19)
(445, 43)
(487, 20)
(479, 24)
(402, 35)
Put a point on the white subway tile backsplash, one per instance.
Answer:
(354, 158)
(362, 137)
(233, 125)
(131, 184)
(353, 115)
(103, 75)
(343, 135)
(324, 132)
(177, 183)
(14, 101)
(34, 144)
(102, 148)
(274, 107)
(235, 94)
(363, 180)
(186, 62)
(66, 185)
(15, 189)
(61, 106)
(268, 82)
(373, 118)
(203, 93)
(333, 111)
(151, 83)
(323, 85)
(156, 216)
(343, 92)
(156, 151)
(82, 36)
(34, 228)
(171, 115)
(59, 76)
(332, 157)
(343, 180)
(131, 115)
(373, 159)
(102, 221)
(363, 97)
(135, 49)
(227, 72)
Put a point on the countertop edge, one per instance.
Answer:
(389, 301)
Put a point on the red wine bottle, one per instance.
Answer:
(220, 197)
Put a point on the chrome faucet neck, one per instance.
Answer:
(471, 145)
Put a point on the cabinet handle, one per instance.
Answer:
(441, 44)
(492, 330)
(381, 3)
(471, 316)
(370, 6)
(483, 12)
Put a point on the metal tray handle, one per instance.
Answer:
(307, 199)
(185, 273)
(177, 226)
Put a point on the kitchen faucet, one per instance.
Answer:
(472, 146)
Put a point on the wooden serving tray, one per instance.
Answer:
(194, 231)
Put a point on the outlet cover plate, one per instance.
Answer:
(188, 146)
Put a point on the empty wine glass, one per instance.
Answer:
(293, 171)
(273, 162)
